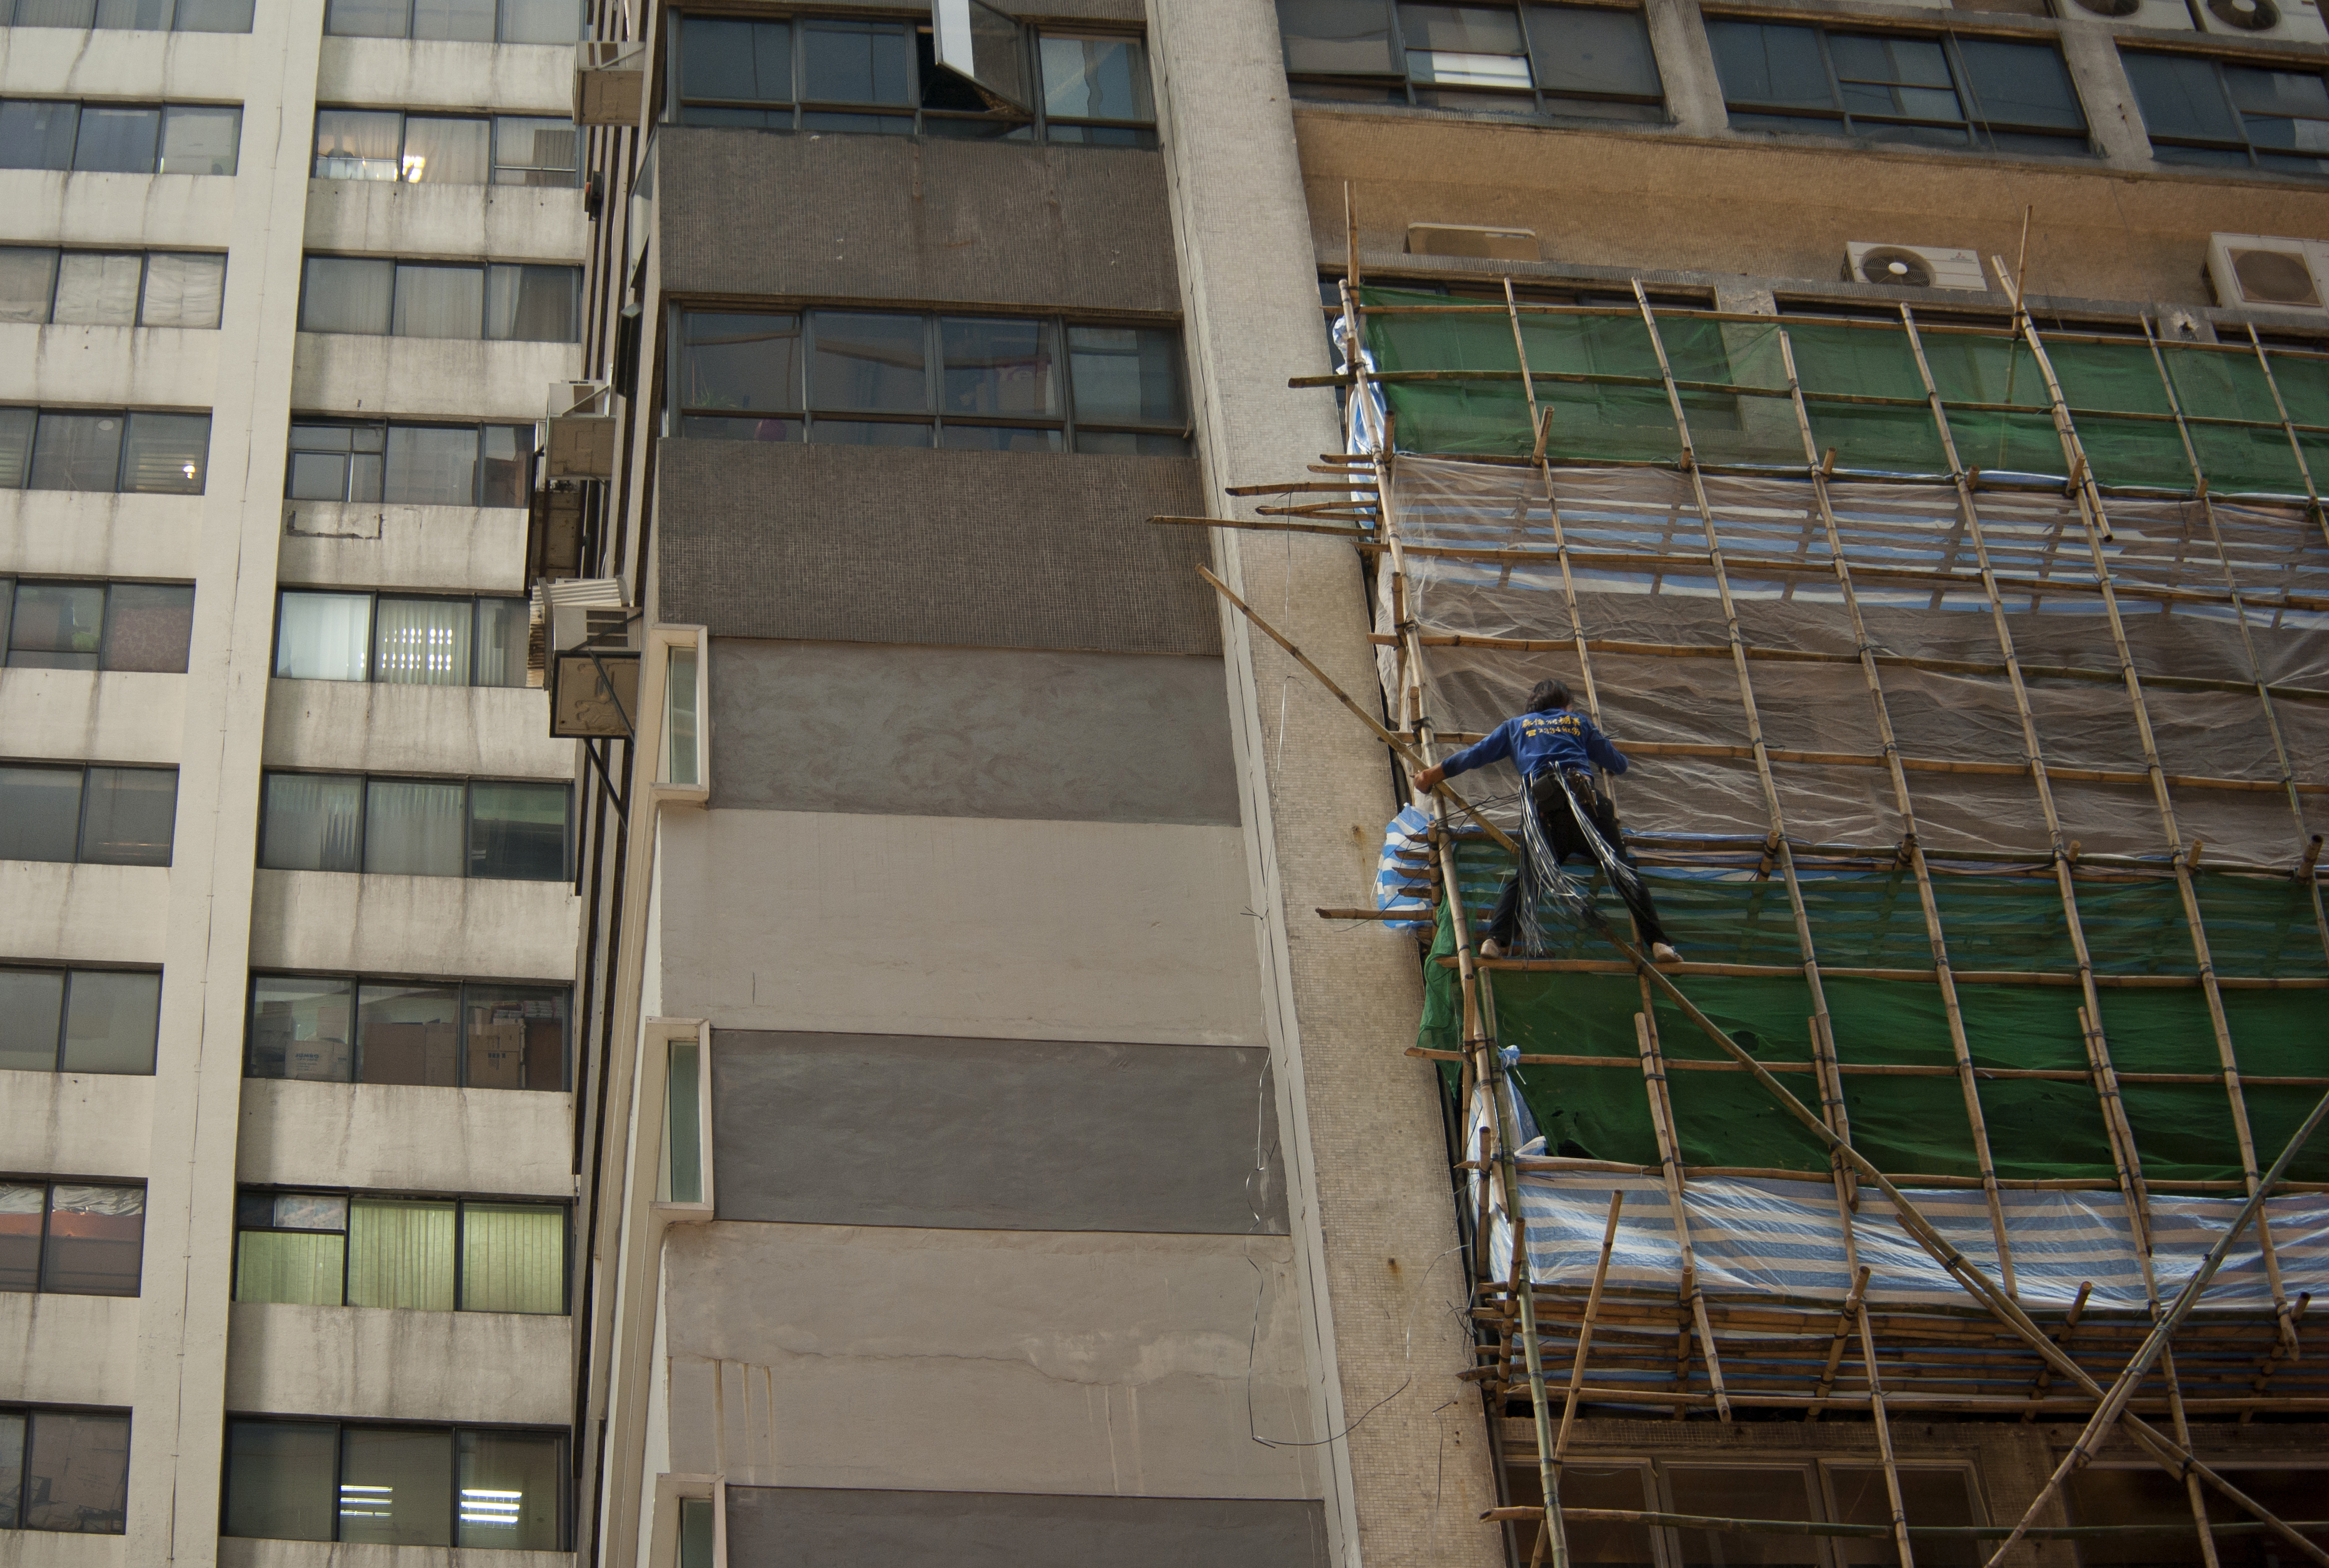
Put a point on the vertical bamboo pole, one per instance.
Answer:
(1884, 1443)
(1662, 1120)
(1585, 1330)
(2288, 427)
(1843, 1322)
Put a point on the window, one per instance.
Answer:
(410, 465)
(401, 640)
(1947, 91)
(2107, 1494)
(1590, 60)
(139, 452)
(365, 144)
(110, 288)
(78, 1020)
(70, 1238)
(966, 383)
(501, 301)
(117, 138)
(143, 15)
(444, 1034)
(96, 626)
(63, 1469)
(96, 815)
(831, 73)
(458, 21)
(2221, 113)
(396, 1486)
(432, 1254)
(414, 826)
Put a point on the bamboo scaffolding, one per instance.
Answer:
(1853, 1310)
(1693, 1302)
(1585, 1330)
(1884, 1441)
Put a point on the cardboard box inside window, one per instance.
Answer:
(497, 1054)
(319, 1060)
(411, 1053)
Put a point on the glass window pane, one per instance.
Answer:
(1126, 374)
(347, 294)
(313, 822)
(148, 625)
(279, 1479)
(855, 62)
(58, 626)
(503, 626)
(98, 288)
(183, 290)
(15, 446)
(200, 140)
(534, 152)
(869, 362)
(736, 61)
(214, 15)
(533, 304)
(518, 831)
(1095, 79)
(399, 1254)
(438, 301)
(2260, 92)
(540, 21)
(444, 152)
(681, 753)
(1926, 1496)
(36, 134)
(139, 15)
(303, 1269)
(111, 1018)
(77, 1473)
(40, 813)
(696, 1529)
(22, 1208)
(421, 642)
(2180, 97)
(300, 1028)
(365, 19)
(1589, 49)
(1000, 367)
(1461, 29)
(512, 1260)
(54, 13)
(1765, 62)
(97, 1236)
(323, 637)
(1743, 1493)
(463, 21)
(412, 828)
(1906, 62)
(431, 465)
(318, 477)
(683, 1127)
(358, 144)
(505, 474)
(166, 454)
(739, 362)
(77, 452)
(12, 1467)
(126, 816)
(510, 1492)
(396, 1484)
(117, 141)
(32, 1003)
(408, 1034)
(2021, 84)
(1348, 36)
(530, 1019)
(27, 274)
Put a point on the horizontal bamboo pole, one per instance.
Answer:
(1882, 1069)
(1716, 1524)
(1912, 976)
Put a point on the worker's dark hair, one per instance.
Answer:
(1548, 695)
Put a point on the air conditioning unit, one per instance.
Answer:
(2165, 14)
(1914, 265)
(609, 82)
(579, 431)
(2258, 272)
(553, 532)
(1467, 239)
(584, 646)
(2298, 21)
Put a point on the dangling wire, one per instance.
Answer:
(1541, 877)
(1621, 875)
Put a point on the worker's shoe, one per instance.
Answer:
(1664, 953)
(1492, 949)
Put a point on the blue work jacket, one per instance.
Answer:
(1534, 742)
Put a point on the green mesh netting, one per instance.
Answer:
(1919, 1125)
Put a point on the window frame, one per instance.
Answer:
(11, 586)
(145, 276)
(355, 984)
(527, 450)
(484, 268)
(160, 109)
(934, 420)
(2247, 146)
(1399, 88)
(1980, 131)
(468, 817)
(460, 1202)
(501, 28)
(452, 1431)
(493, 165)
(121, 454)
(1034, 127)
(372, 635)
(7, 19)
(80, 807)
(32, 1411)
(66, 974)
(48, 1184)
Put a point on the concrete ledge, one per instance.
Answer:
(93, 715)
(473, 549)
(69, 1349)
(457, 927)
(378, 1364)
(52, 911)
(131, 366)
(391, 218)
(875, 1529)
(47, 1549)
(58, 534)
(427, 377)
(233, 1553)
(395, 73)
(83, 1124)
(358, 726)
(69, 62)
(391, 1138)
(145, 211)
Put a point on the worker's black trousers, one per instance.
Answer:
(1562, 832)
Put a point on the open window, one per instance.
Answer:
(986, 49)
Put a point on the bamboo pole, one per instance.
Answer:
(1884, 1443)
(2070, 1326)
(1585, 1332)
(1853, 1309)
(1693, 1300)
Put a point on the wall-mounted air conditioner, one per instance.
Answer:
(2259, 272)
(609, 82)
(1914, 265)
(579, 431)
(2298, 21)
(584, 646)
(2168, 13)
(1471, 239)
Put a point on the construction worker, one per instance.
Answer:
(1545, 743)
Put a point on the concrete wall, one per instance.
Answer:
(427, 377)
(235, 1553)
(391, 217)
(379, 924)
(89, 1124)
(857, 727)
(377, 1363)
(51, 911)
(56, 534)
(869, 1529)
(479, 549)
(112, 715)
(404, 1138)
(92, 366)
(358, 726)
(69, 1349)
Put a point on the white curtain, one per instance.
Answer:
(347, 294)
(421, 642)
(97, 290)
(313, 822)
(323, 637)
(439, 301)
(444, 152)
(414, 827)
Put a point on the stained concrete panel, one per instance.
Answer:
(996, 1134)
(379, 727)
(798, 1527)
(399, 1364)
(69, 534)
(957, 926)
(392, 1137)
(109, 715)
(51, 911)
(888, 544)
(1076, 737)
(83, 1124)
(986, 1361)
(476, 928)
(898, 218)
(59, 1350)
